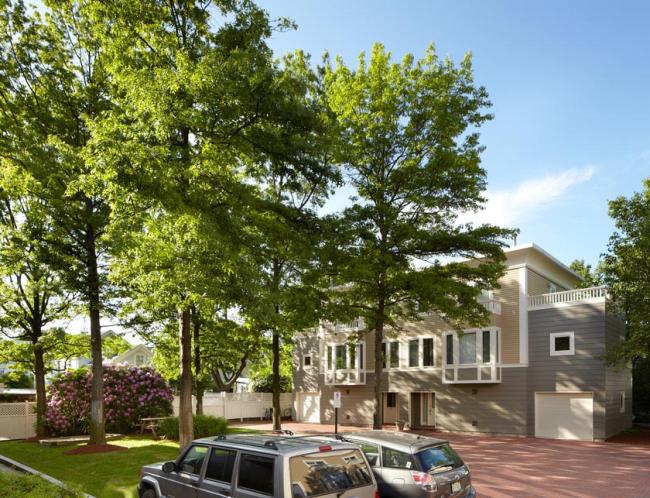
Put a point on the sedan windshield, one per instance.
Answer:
(438, 459)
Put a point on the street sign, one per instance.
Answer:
(337, 399)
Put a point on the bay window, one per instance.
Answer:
(472, 356)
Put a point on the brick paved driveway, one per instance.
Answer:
(507, 467)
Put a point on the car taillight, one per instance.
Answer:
(424, 480)
(376, 494)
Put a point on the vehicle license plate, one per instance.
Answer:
(455, 487)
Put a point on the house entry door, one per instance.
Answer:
(428, 409)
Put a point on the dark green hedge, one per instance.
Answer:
(204, 426)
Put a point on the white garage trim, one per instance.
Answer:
(309, 407)
(564, 415)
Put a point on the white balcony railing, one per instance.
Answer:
(589, 294)
(353, 326)
(491, 305)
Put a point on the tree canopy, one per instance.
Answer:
(410, 149)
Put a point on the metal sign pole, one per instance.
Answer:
(336, 421)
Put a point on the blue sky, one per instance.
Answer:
(569, 84)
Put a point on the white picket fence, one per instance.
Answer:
(17, 420)
(240, 406)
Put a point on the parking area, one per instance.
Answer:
(509, 467)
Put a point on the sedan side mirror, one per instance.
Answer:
(169, 467)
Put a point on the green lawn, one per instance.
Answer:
(110, 475)
(19, 485)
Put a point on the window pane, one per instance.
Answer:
(193, 460)
(256, 473)
(220, 465)
(467, 348)
(329, 357)
(328, 473)
(352, 351)
(563, 343)
(427, 353)
(486, 346)
(391, 400)
(395, 459)
(307, 361)
(394, 354)
(341, 357)
(414, 353)
(450, 349)
(384, 355)
(361, 355)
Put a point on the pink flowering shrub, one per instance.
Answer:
(130, 393)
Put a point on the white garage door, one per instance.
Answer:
(564, 415)
(310, 407)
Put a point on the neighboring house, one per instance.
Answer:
(137, 356)
(536, 369)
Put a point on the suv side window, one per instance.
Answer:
(221, 465)
(193, 460)
(256, 473)
(394, 459)
(371, 451)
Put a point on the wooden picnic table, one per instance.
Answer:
(151, 423)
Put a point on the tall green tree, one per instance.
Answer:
(626, 268)
(192, 80)
(591, 277)
(52, 83)
(202, 106)
(295, 172)
(411, 152)
(32, 297)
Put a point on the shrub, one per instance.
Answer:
(204, 426)
(130, 393)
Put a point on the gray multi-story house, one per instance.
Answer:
(536, 370)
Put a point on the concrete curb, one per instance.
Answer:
(28, 470)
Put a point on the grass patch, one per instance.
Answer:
(104, 475)
(18, 485)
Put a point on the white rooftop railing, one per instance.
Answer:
(569, 296)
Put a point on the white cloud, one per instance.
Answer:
(511, 208)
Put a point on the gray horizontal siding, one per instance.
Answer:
(584, 371)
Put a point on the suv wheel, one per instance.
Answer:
(148, 493)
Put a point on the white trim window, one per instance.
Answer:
(421, 352)
(345, 356)
(562, 343)
(390, 354)
(473, 347)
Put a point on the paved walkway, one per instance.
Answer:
(510, 467)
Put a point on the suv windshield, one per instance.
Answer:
(323, 473)
(438, 458)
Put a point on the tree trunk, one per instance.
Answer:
(97, 425)
(277, 423)
(378, 420)
(39, 380)
(197, 362)
(185, 423)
